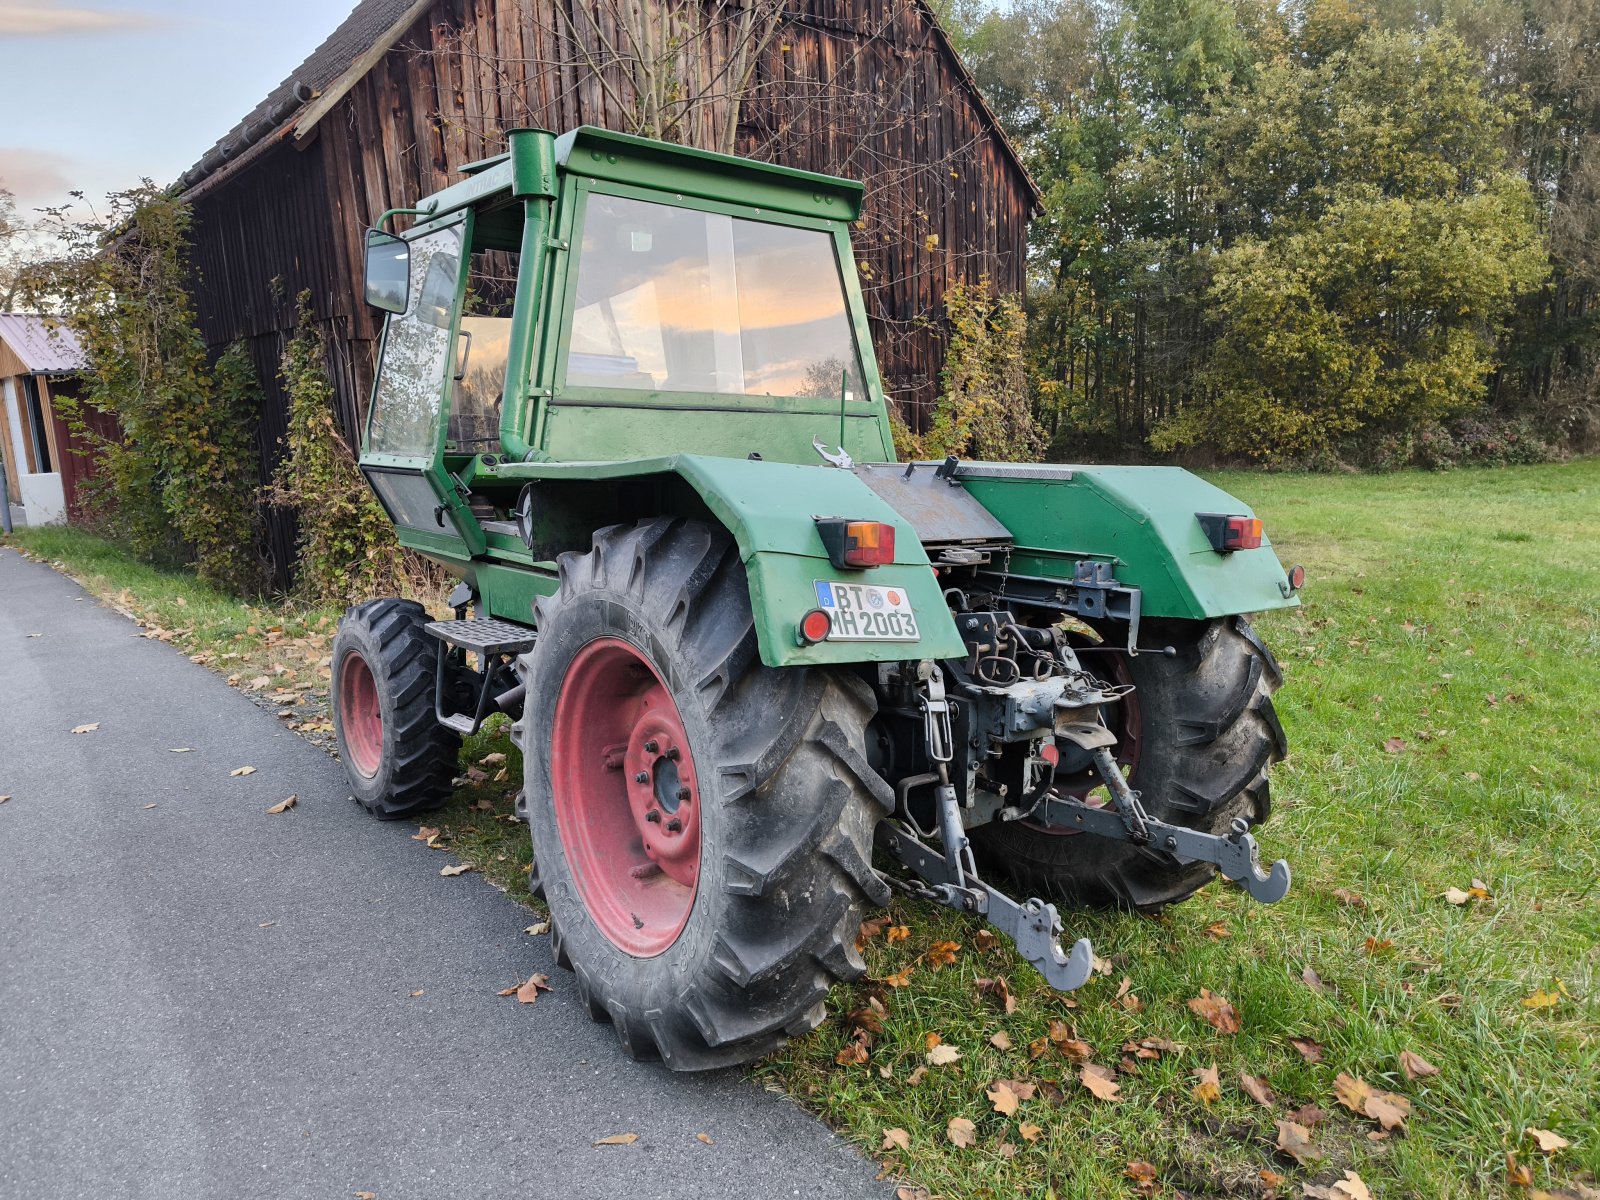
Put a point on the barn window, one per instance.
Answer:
(680, 300)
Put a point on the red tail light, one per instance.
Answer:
(815, 626)
(1229, 533)
(856, 544)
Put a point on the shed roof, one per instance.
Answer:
(45, 346)
(368, 33)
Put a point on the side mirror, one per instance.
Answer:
(388, 272)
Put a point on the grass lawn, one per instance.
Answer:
(1441, 703)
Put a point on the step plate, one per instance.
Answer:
(484, 635)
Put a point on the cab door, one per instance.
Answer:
(403, 455)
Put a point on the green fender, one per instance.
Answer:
(1140, 519)
(770, 508)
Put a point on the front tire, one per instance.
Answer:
(709, 944)
(400, 760)
(1203, 735)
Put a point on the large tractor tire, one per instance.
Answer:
(1196, 738)
(399, 758)
(702, 823)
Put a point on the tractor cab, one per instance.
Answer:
(600, 297)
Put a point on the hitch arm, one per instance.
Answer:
(1236, 855)
(1033, 925)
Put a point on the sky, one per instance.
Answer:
(97, 94)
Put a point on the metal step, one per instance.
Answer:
(484, 635)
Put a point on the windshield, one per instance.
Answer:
(678, 300)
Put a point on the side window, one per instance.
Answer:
(416, 351)
(486, 346)
(680, 300)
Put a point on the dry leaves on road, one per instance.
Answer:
(181, 750)
(3, 799)
(537, 929)
(458, 869)
(284, 806)
(704, 1138)
(425, 833)
(238, 771)
(1100, 1081)
(1215, 1010)
(962, 1133)
(86, 728)
(528, 991)
(618, 1139)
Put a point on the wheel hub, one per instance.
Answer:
(626, 798)
(360, 716)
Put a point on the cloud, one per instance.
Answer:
(35, 175)
(29, 18)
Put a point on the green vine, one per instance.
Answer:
(179, 485)
(347, 547)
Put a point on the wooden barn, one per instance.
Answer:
(406, 91)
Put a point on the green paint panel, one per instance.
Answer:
(1143, 519)
(779, 433)
(508, 592)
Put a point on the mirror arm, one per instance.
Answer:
(383, 221)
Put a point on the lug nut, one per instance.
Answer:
(683, 793)
(672, 754)
(653, 817)
(642, 777)
(674, 826)
(650, 747)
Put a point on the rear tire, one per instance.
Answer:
(400, 760)
(712, 955)
(1208, 735)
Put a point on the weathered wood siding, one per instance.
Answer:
(860, 88)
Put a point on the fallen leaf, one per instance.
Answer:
(1101, 966)
(899, 979)
(1000, 991)
(1003, 1099)
(1218, 930)
(896, 1139)
(943, 1055)
(1100, 1081)
(1457, 895)
(1215, 1010)
(986, 940)
(1351, 1092)
(492, 760)
(1349, 1188)
(238, 771)
(1309, 1050)
(418, 992)
(1415, 1066)
(181, 750)
(1308, 1115)
(266, 925)
(458, 869)
(1312, 980)
(1542, 999)
(425, 834)
(1029, 1131)
(1142, 1173)
(284, 805)
(1208, 1088)
(704, 1137)
(1257, 1089)
(147, 807)
(618, 1139)
(86, 728)
(1346, 896)
(916, 1076)
(907, 1192)
(3, 799)
(852, 1054)
(897, 933)
(365, 1195)
(942, 954)
(1388, 1109)
(961, 1132)
(1271, 1179)
(1000, 1040)
(537, 929)
(1294, 1139)
(1125, 997)
(1006, 1150)
(1160, 1045)
(1548, 1142)
(1394, 745)
(869, 930)
(529, 991)
(1517, 1174)
(1379, 946)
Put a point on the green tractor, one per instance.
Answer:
(628, 396)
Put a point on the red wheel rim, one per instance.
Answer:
(360, 718)
(1077, 779)
(627, 803)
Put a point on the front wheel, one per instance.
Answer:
(702, 823)
(1196, 738)
(399, 758)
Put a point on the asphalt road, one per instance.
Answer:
(201, 1000)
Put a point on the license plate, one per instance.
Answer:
(865, 612)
